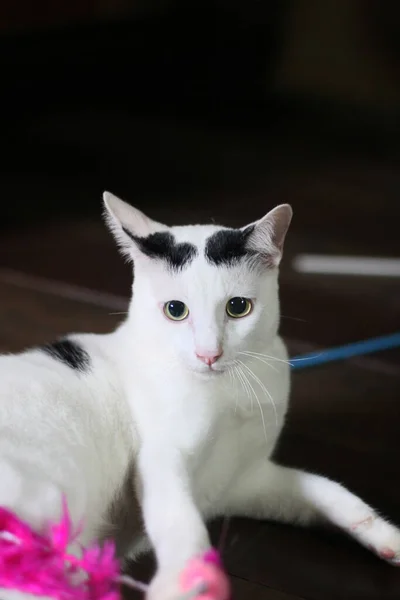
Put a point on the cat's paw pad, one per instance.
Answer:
(387, 553)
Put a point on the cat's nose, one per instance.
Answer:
(209, 358)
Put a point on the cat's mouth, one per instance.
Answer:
(212, 371)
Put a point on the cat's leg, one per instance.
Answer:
(172, 521)
(267, 490)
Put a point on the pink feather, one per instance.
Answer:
(39, 564)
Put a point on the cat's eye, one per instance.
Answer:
(176, 310)
(238, 307)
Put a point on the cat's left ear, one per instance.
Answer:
(127, 223)
(268, 234)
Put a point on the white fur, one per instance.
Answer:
(201, 440)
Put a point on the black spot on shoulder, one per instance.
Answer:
(70, 353)
(227, 246)
(162, 246)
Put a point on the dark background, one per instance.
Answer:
(212, 108)
(220, 110)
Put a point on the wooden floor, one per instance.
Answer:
(344, 420)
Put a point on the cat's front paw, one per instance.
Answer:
(203, 578)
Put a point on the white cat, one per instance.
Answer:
(184, 402)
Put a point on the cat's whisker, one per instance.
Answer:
(288, 362)
(294, 318)
(231, 384)
(268, 356)
(262, 386)
(235, 374)
(241, 379)
(305, 358)
(262, 360)
(246, 386)
(259, 404)
(232, 381)
(267, 392)
(230, 376)
(281, 360)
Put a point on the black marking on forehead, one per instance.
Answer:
(162, 246)
(70, 353)
(228, 246)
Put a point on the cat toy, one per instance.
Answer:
(40, 565)
(369, 346)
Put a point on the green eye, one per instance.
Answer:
(238, 307)
(176, 310)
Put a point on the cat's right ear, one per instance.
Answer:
(127, 223)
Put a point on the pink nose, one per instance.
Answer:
(209, 358)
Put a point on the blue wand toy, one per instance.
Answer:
(377, 344)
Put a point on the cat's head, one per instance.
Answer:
(206, 293)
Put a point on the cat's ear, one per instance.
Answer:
(127, 223)
(268, 234)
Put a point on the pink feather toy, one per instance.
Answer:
(40, 565)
